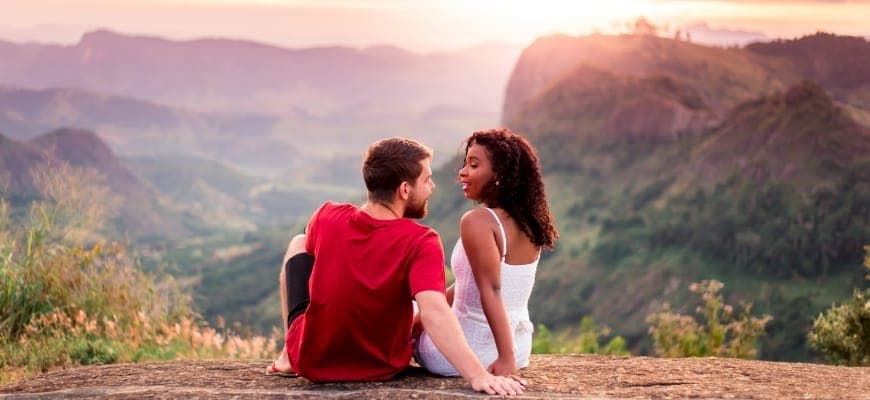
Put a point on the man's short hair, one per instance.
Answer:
(390, 162)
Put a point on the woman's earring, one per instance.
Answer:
(496, 183)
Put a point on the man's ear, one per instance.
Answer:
(404, 191)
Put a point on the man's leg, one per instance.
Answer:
(291, 282)
(296, 246)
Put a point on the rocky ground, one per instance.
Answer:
(568, 376)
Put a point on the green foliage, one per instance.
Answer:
(843, 332)
(769, 229)
(584, 341)
(723, 335)
(64, 302)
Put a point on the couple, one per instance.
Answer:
(347, 285)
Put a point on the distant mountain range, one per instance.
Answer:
(143, 214)
(666, 162)
(240, 76)
(262, 108)
(139, 128)
(162, 198)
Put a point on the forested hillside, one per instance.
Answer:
(666, 163)
(739, 168)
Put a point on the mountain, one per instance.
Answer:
(800, 136)
(722, 77)
(215, 74)
(682, 164)
(589, 102)
(137, 127)
(656, 182)
(16, 157)
(263, 109)
(141, 215)
(841, 64)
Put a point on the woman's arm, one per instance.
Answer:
(443, 327)
(478, 239)
(450, 292)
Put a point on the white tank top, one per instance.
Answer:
(516, 288)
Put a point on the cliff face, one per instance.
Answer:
(722, 77)
(569, 376)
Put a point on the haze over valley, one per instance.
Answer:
(667, 161)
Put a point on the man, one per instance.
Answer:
(363, 266)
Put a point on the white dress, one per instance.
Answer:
(516, 287)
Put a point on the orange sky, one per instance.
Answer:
(420, 25)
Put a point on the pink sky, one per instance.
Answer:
(420, 25)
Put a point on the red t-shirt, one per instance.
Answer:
(366, 272)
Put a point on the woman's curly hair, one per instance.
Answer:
(517, 186)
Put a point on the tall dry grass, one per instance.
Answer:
(68, 297)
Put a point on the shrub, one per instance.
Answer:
(65, 303)
(843, 332)
(723, 335)
(584, 341)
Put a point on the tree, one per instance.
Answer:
(642, 26)
(843, 332)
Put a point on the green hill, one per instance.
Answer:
(654, 186)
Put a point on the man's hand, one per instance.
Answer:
(499, 385)
(502, 366)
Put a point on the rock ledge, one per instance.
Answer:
(550, 376)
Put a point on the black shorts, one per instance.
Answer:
(297, 272)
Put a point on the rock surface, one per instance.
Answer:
(549, 377)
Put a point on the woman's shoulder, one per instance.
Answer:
(476, 221)
(477, 216)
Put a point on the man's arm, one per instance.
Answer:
(443, 327)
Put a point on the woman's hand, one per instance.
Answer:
(498, 385)
(503, 366)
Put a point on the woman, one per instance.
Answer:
(495, 259)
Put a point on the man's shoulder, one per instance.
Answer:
(422, 236)
(332, 208)
(421, 229)
(338, 205)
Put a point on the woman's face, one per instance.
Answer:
(477, 171)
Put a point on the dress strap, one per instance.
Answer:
(503, 236)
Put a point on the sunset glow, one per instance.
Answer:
(421, 25)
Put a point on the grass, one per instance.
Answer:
(65, 301)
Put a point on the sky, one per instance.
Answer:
(421, 25)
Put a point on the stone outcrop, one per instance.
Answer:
(549, 377)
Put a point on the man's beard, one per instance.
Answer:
(416, 211)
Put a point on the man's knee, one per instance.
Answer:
(298, 240)
(296, 246)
